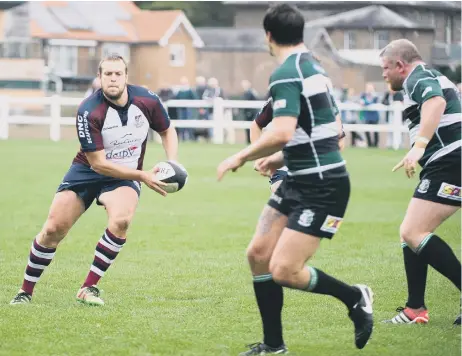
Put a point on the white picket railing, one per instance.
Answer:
(222, 121)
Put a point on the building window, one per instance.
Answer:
(177, 55)
(62, 60)
(122, 49)
(349, 41)
(381, 39)
(448, 30)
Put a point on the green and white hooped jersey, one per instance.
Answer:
(422, 84)
(300, 88)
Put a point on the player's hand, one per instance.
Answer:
(267, 166)
(256, 167)
(232, 163)
(150, 180)
(410, 161)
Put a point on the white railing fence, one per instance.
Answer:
(222, 121)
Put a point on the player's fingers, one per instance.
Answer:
(159, 182)
(398, 166)
(158, 190)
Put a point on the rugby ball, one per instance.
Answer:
(172, 173)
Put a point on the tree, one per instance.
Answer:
(200, 13)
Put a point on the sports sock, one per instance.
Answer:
(270, 299)
(107, 249)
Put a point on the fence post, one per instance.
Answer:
(218, 120)
(55, 111)
(229, 129)
(4, 114)
(397, 124)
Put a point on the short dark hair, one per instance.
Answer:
(285, 23)
(112, 57)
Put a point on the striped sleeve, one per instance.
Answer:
(424, 89)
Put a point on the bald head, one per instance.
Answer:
(398, 59)
(401, 50)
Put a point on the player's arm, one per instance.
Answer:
(160, 122)
(262, 119)
(170, 143)
(101, 165)
(428, 94)
(286, 108)
(255, 131)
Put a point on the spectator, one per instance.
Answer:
(185, 93)
(351, 116)
(371, 117)
(212, 91)
(248, 94)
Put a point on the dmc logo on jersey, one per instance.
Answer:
(126, 153)
(83, 128)
(331, 224)
(450, 191)
(139, 122)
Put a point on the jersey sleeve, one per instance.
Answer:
(425, 89)
(89, 130)
(159, 120)
(286, 98)
(265, 115)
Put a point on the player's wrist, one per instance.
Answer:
(421, 142)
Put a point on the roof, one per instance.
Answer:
(436, 5)
(243, 39)
(106, 21)
(376, 17)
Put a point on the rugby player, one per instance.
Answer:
(112, 126)
(310, 203)
(433, 115)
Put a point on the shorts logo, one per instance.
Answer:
(306, 218)
(276, 198)
(280, 104)
(331, 224)
(137, 184)
(450, 191)
(423, 186)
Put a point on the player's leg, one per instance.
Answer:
(120, 200)
(422, 247)
(288, 268)
(434, 201)
(65, 210)
(269, 295)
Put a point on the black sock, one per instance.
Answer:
(439, 255)
(270, 299)
(416, 275)
(321, 283)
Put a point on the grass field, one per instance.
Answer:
(181, 285)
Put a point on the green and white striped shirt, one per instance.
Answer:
(422, 84)
(300, 88)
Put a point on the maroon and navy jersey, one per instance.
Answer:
(265, 115)
(121, 132)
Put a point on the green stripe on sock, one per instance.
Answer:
(313, 278)
(263, 278)
(423, 243)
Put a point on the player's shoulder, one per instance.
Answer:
(420, 74)
(92, 103)
(286, 72)
(142, 93)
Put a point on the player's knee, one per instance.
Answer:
(54, 231)
(258, 253)
(282, 273)
(406, 232)
(120, 223)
